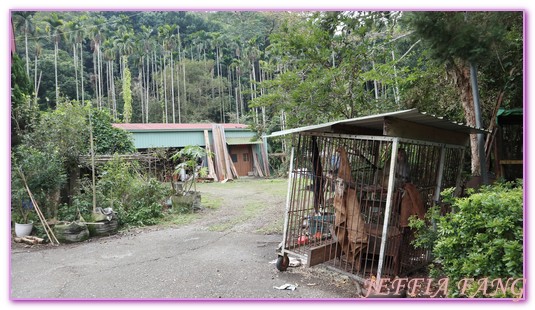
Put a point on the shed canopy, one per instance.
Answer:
(410, 124)
(242, 140)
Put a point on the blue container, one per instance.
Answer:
(319, 223)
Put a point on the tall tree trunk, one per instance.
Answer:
(261, 94)
(148, 90)
(178, 76)
(240, 94)
(184, 83)
(252, 94)
(164, 82)
(173, 88)
(461, 76)
(99, 67)
(108, 84)
(56, 69)
(142, 82)
(154, 82)
(75, 61)
(113, 98)
(221, 104)
(26, 30)
(35, 85)
(95, 75)
(82, 73)
(237, 105)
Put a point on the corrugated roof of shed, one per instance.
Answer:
(377, 122)
(173, 127)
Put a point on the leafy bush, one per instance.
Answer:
(108, 139)
(190, 157)
(137, 201)
(44, 174)
(482, 236)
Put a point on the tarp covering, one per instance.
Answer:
(509, 116)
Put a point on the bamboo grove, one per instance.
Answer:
(272, 70)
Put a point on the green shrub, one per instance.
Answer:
(144, 206)
(45, 176)
(137, 201)
(482, 236)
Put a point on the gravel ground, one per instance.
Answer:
(225, 251)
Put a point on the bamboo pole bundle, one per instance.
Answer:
(48, 230)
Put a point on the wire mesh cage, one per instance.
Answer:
(350, 198)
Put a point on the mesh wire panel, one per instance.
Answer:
(339, 202)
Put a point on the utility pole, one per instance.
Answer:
(480, 138)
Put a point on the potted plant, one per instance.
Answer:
(22, 221)
(189, 169)
(44, 175)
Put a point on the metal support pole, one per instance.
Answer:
(390, 193)
(480, 138)
(287, 212)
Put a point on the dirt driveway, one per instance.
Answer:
(225, 251)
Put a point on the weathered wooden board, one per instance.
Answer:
(323, 253)
(395, 127)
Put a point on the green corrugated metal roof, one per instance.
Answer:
(145, 140)
(241, 140)
(179, 138)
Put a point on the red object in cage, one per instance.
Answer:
(354, 183)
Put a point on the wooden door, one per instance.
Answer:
(242, 157)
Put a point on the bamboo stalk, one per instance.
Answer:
(47, 228)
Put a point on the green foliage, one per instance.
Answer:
(482, 237)
(24, 115)
(64, 129)
(316, 66)
(493, 40)
(82, 203)
(144, 206)
(127, 95)
(108, 139)
(45, 176)
(337, 65)
(189, 158)
(137, 201)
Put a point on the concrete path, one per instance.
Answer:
(169, 263)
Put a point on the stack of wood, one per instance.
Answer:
(265, 161)
(224, 168)
(349, 226)
(211, 168)
(31, 240)
(257, 168)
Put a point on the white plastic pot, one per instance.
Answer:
(23, 230)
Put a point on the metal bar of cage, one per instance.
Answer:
(391, 177)
(311, 191)
(380, 138)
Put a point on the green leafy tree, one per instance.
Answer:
(66, 130)
(492, 40)
(24, 115)
(45, 176)
(333, 65)
(108, 139)
(55, 28)
(24, 20)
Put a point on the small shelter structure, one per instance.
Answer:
(236, 151)
(354, 184)
(509, 144)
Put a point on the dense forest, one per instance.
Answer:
(271, 70)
